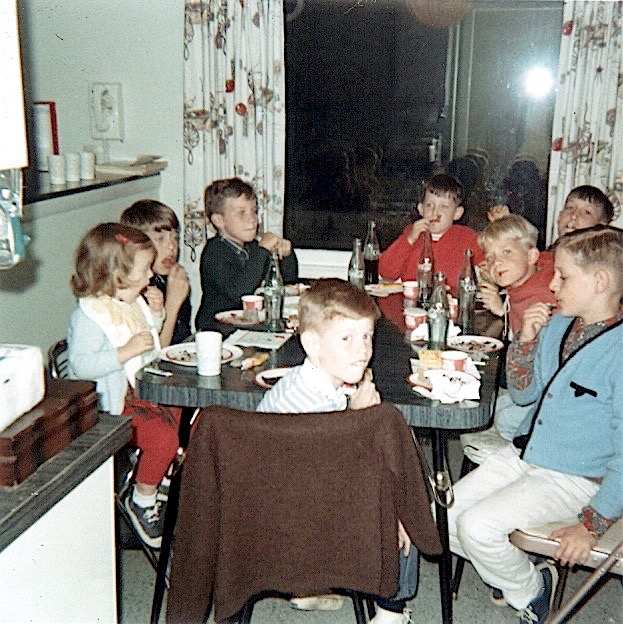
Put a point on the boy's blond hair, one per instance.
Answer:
(331, 298)
(511, 226)
(597, 246)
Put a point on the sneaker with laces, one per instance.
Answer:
(383, 616)
(537, 611)
(148, 521)
(163, 490)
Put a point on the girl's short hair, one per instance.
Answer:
(146, 214)
(597, 246)
(217, 193)
(331, 298)
(105, 257)
(595, 196)
(511, 226)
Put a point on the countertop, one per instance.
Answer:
(23, 505)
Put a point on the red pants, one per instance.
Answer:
(155, 432)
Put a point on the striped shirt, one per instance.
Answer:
(304, 389)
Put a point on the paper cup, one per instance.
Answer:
(87, 165)
(73, 167)
(453, 360)
(56, 166)
(251, 306)
(414, 317)
(209, 346)
(410, 290)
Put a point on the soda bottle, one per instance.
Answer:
(438, 314)
(274, 292)
(356, 267)
(371, 253)
(467, 288)
(425, 271)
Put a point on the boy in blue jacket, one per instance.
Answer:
(567, 459)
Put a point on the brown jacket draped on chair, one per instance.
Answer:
(296, 503)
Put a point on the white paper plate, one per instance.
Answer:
(236, 317)
(475, 344)
(185, 354)
(268, 378)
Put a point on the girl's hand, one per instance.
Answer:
(575, 546)
(491, 298)
(497, 212)
(366, 394)
(139, 343)
(155, 299)
(421, 225)
(404, 541)
(534, 319)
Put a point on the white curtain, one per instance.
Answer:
(587, 138)
(234, 107)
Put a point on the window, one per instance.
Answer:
(377, 101)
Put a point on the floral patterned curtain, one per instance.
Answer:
(587, 145)
(234, 107)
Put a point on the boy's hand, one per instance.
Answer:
(139, 343)
(404, 541)
(421, 225)
(491, 298)
(366, 394)
(155, 299)
(178, 288)
(497, 212)
(575, 546)
(534, 318)
(272, 242)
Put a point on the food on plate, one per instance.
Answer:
(182, 355)
(255, 360)
(430, 358)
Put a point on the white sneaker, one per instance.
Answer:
(391, 617)
(326, 602)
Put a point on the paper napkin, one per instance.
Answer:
(263, 340)
(450, 386)
(421, 331)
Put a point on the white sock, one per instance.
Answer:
(143, 500)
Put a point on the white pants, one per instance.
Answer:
(503, 494)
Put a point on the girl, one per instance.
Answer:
(113, 333)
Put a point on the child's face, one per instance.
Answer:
(138, 278)
(573, 286)
(239, 219)
(342, 348)
(440, 210)
(166, 243)
(509, 262)
(578, 214)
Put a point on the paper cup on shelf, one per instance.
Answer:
(251, 306)
(410, 290)
(453, 360)
(414, 317)
(209, 344)
(57, 168)
(73, 167)
(87, 165)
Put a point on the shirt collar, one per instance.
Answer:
(317, 379)
(240, 250)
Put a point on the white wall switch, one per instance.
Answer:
(106, 110)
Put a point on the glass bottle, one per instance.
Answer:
(425, 271)
(356, 267)
(438, 314)
(273, 295)
(467, 289)
(371, 253)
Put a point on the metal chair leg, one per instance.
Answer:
(360, 615)
(371, 608)
(456, 578)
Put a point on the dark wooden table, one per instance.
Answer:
(390, 365)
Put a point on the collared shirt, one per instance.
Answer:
(304, 389)
(241, 252)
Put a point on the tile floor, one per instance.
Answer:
(471, 607)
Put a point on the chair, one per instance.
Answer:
(294, 504)
(608, 549)
(58, 363)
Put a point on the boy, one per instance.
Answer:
(514, 263)
(440, 208)
(584, 207)
(568, 457)
(160, 223)
(234, 262)
(336, 329)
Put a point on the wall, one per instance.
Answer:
(66, 45)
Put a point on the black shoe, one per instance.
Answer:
(497, 597)
(537, 611)
(148, 521)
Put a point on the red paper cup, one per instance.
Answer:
(414, 317)
(410, 290)
(453, 360)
